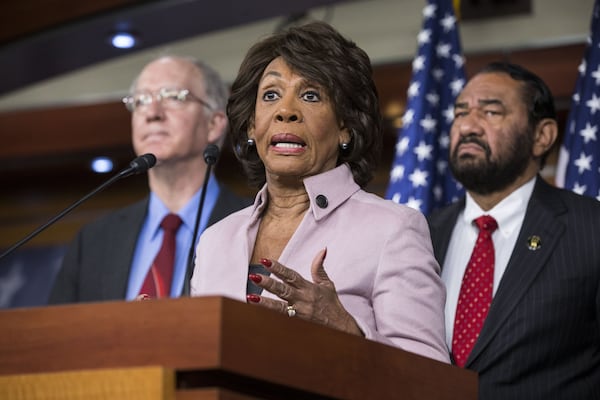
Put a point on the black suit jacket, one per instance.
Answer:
(541, 338)
(97, 263)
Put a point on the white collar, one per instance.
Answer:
(509, 213)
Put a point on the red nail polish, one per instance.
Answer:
(266, 263)
(255, 278)
(253, 298)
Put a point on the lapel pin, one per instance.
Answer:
(534, 242)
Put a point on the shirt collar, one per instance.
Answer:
(157, 210)
(508, 213)
(335, 185)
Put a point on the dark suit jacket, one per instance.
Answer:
(541, 338)
(97, 263)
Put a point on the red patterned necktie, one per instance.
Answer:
(159, 277)
(476, 291)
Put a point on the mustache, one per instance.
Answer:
(473, 139)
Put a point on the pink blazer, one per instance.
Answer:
(379, 256)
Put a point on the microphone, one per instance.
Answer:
(139, 165)
(211, 154)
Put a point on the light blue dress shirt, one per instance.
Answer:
(151, 235)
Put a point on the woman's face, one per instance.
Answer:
(295, 127)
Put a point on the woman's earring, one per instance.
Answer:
(344, 146)
(250, 142)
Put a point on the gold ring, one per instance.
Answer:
(291, 311)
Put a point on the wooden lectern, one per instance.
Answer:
(213, 348)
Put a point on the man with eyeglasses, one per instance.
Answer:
(177, 108)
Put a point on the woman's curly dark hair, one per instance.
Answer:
(319, 53)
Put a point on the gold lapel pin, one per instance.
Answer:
(534, 242)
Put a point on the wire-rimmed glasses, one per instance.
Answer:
(171, 98)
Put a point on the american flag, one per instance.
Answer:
(579, 160)
(420, 177)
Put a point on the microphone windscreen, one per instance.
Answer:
(211, 154)
(143, 163)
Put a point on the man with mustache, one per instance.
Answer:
(520, 258)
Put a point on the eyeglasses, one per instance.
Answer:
(167, 97)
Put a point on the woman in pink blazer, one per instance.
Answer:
(306, 126)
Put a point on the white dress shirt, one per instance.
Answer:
(509, 214)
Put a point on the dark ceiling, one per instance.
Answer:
(41, 39)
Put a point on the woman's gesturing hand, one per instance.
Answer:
(314, 301)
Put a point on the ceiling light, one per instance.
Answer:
(123, 40)
(102, 165)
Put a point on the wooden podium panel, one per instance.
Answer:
(215, 342)
(145, 383)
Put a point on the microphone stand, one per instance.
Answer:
(210, 157)
(138, 165)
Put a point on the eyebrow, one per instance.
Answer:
(484, 102)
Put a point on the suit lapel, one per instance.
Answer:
(524, 264)
(227, 203)
(123, 241)
(441, 226)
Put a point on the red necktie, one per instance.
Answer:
(476, 291)
(159, 277)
